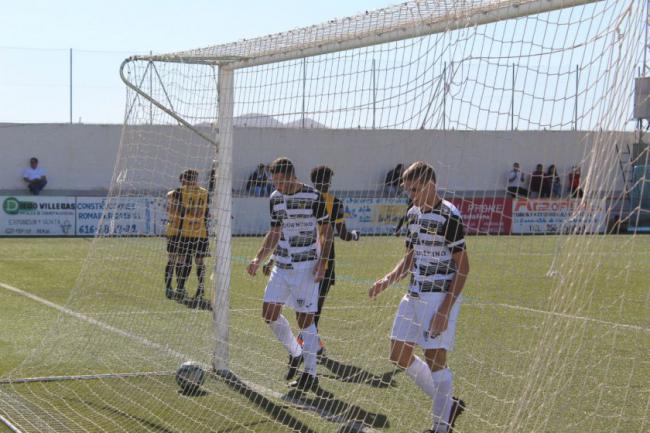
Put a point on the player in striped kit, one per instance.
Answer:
(437, 260)
(298, 220)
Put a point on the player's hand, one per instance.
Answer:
(438, 325)
(378, 287)
(252, 267)
(319, 270)
(266, 269)
(397, 231)
(355, 235)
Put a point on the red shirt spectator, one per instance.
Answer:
(574, 182)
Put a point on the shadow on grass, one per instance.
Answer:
(331, 409)
(353, 418)
(352, 374)
(149, 425)
(277, 412)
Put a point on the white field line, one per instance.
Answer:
(8, 423)
(36, 259)
(167, 349)
(562, 315)
(144, 341)
(84, 377)
(257, 388)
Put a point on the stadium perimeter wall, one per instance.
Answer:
(79, 159)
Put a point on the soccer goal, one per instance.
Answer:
(554, 329)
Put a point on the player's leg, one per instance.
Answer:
(309, 333)
(172, 259)
(275, 295)
(199, 258)
(179, 267)
(323, 290)
(200, 274)
(405, 335)
(304, 300)
(201, 254)
(198, 301)
(186, 251)
(445, 408)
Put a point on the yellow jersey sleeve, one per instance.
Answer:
(173, 213)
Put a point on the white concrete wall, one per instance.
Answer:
(76, 157)
(82, 157)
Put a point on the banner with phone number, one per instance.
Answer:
(124, 216)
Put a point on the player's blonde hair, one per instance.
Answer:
(419, 171)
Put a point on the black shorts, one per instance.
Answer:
(326, 283)
(188, 246)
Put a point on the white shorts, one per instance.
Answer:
(295, 288)
(414, 316)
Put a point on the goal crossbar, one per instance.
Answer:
(404, 21)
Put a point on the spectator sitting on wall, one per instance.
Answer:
(258, 182)
(34, 176)
(552, 186)
(393, 179)
(574, 182)
(516, 182)
(536, 181)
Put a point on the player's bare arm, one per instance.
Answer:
(326, 235)
(345, 234)
(173, 206)
(398, 273)
(440, 320)
(268, 245)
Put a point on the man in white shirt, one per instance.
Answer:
(516, 182)
(34, 176)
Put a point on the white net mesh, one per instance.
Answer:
(502, 84)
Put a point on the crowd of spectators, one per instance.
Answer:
(543, 184)
(537, 184)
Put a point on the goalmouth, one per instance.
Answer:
(470, 86)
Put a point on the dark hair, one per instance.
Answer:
(420, 171)
(33, 159)
(321, 174)
(283, 166)
(189, 175)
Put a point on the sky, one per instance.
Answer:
(36, 37)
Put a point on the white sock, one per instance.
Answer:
(441, 408)
(420, 372)
(310, 347)
(282, 331)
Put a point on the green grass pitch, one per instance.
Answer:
(596, 374)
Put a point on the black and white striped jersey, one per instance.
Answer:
(299, 215)
(434, 236)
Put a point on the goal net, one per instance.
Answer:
(554, 328)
